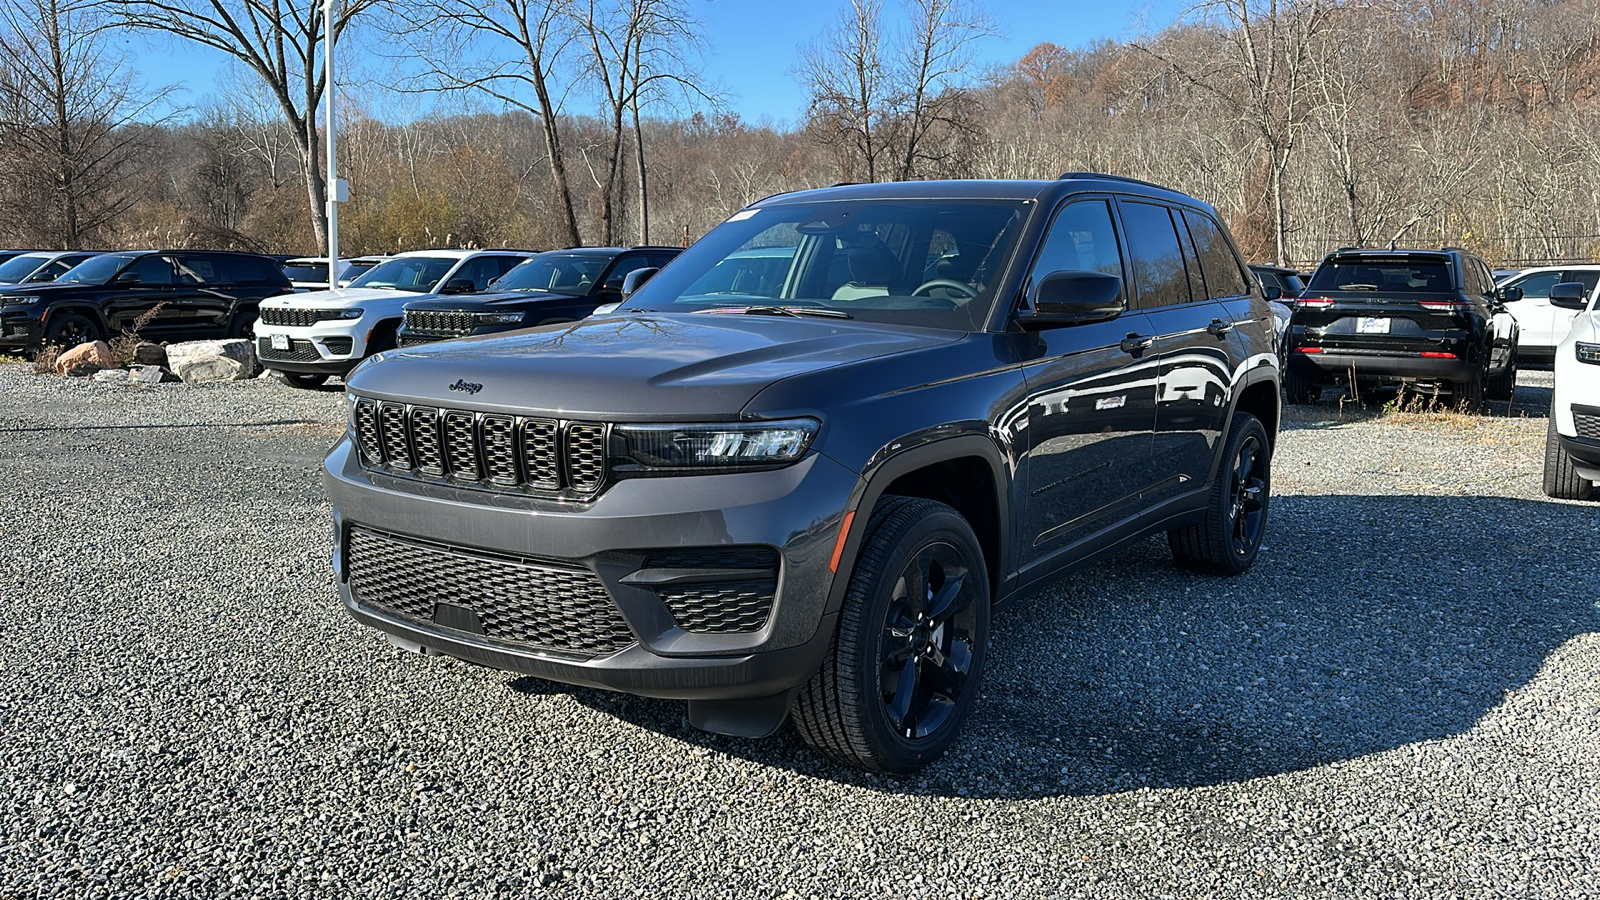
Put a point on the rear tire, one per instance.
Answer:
(1229, 539)
(1504, 385)
(1469, 394)
(307, 380)
(1299, 388)
(903, 668)
(1561, 480)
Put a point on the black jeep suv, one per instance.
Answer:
(556, 286)
(1432, 319)
(804, 497)
(202, 293)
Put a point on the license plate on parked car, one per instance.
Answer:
(281, 341)
(1370, 325)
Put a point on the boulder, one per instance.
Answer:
(148, 354)
(111, 376)
(145, 375)
(85, 359)
(204, 362)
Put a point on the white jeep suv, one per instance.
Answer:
(1540, 323)
(307, 337)
(1572, 444)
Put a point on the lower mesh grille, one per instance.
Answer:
(1587, 426)
(724, 607)
(411, 340)
(339, 345)
(520, 601)
(299, 351)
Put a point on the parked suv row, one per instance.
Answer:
(798, 486)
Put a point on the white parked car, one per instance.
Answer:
(1572, 443)
(1542, 324)
(307, 337)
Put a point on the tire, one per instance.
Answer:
(1229, 539)
(307, 380)
(383, 337)
(242, 324)
(1504, 385)
(859, 706)
(1469, 394)
(1299, 388)
(1561, 480)
(68, 330)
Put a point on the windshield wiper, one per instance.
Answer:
(795, 311)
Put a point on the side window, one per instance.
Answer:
(620, 271)
(200, 270)
(660, 259)
(1223, 270)
(152, 270)
(480, 270)
(504, 264)
(1082, 238)
(1537, 286)
(1191, 263)
(1157, 258)
(1588, 278)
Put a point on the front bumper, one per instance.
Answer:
(20, 327)
(795, 511)
(330, 347)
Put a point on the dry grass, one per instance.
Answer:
(44, 362)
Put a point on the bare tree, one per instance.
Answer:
(279, 40)
(71, 118)
(937, 60)
(849, 82)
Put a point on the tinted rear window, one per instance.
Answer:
(307, 271)
(1388, 276)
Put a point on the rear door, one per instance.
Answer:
(1091, 402)
(209, 290)
(1191, 348)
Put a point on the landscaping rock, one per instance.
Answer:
(145, 374)
(148, 354)
(205, 362)
(85, 359)
(111, 376)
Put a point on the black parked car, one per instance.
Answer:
(803, 493)
(1277, 282)
(555, 286)
(207, 294)
(1432, 319)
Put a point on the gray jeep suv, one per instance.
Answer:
(805, 497)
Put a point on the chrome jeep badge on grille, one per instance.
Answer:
(466, 386)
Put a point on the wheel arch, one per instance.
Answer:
(94, 313)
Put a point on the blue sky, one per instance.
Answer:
(752, 46)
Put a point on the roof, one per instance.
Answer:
(983, 189)
(459, 254)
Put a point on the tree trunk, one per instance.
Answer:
(558, 166)
(316, 185)
(644, 192)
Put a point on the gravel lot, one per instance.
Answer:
(1402, 699)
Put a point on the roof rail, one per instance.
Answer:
(1105, 177)
(844, 183)
(654, 247)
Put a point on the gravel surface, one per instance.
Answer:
(1402, 699)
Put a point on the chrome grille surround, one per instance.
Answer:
(492, 451)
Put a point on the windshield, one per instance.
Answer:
(931, 263)
(564, 273)
(417, 274)
(20, 267)
(306, 271)
(98, 270)
(356, 269)
(1407, 276)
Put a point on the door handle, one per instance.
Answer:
(1137, 343)
(1219, 327)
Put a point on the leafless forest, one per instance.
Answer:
(1310, 124)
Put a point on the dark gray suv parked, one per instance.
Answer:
(804, 499)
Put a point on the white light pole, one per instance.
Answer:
(332, 190)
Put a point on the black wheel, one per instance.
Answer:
(903, 669)
(306, 380)
(243, 324)
(1469, 394)
(1299, 388)
(1227, 542)
(68, 330)
(1504, 385)
(1561, 480)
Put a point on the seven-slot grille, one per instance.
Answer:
(451, 322)
(484, 449)
(273, 315)
(523, 601)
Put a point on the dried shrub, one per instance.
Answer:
(44, 362)
(122, 346)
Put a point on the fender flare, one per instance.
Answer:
(872, 484)
(1249, 378)
(88, 310)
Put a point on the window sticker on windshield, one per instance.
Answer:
(742, 214)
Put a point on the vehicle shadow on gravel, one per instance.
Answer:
(1370, 623)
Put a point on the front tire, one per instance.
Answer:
(903, 668)
(68, 330)
(1229, 539)
(1561, 480)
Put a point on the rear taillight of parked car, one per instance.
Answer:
(1313, 302)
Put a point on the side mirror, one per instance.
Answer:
(1073, 297)
(1509, 294)
(634, 280)
(127, 279)
(1272, 292)
(458, 286)
(1570, 295)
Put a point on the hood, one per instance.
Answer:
(488, 301)
(340, 298)
(45, 288)
(638, 367)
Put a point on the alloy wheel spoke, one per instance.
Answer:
(905, 691)
(951, 597)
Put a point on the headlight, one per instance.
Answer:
(349, 314)
(719, 446)
(19, 300)
(500, 318)
(1589, 353)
